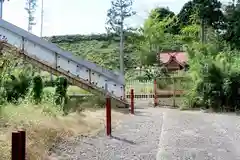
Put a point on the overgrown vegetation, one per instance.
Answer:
(215, 78)
(44, 111)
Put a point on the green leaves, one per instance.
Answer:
(161, 13)
(116, 15)
(190, 33)
(17, 86)
(232, 25)
(215, 74)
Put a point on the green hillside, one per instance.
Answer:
(100, 49)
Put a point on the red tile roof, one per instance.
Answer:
(180, 57)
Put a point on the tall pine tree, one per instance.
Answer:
(120, 10)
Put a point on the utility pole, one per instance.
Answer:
(41, 31)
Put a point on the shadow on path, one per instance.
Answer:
(123, 140)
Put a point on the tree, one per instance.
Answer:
(120, 10)
(210, 14)
(185, 14)
(31, 8)
(160, 14)
(159, 36)
(190, 33)
(232, 24)
(204, 12)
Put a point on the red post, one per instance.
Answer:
(108, 116)
(15, 146)
(155, 93)
(132, 101)
(22, 144)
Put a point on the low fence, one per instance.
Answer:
(145, 89)
(165, 91)
(168, 90)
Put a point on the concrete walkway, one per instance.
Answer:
(199, 136)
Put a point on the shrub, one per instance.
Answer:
(61, 92)
(37, 89)
(17, 87)
(215, 79)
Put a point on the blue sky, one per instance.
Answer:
(78, 16)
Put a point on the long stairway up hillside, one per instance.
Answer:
(51, 58)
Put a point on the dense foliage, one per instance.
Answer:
(215, 77)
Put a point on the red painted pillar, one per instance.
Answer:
(132, 101)
(22, 144)
(16, 146)
(108, 116)
(155, 93)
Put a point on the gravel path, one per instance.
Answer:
(162, 134)
(137, 138)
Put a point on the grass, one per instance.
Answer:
(76, 90)
(45, 126)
